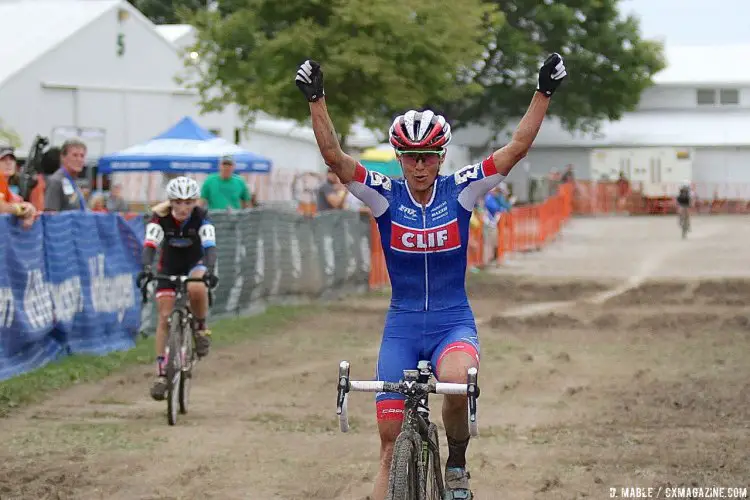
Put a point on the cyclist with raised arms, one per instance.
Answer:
(423, 221)
(188, 247)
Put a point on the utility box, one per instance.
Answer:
(659, 171)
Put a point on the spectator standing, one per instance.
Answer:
(226, 190)
(331, 194)
(496, 202)
(62, 192)
(568, 175)
(9, 202)
(97, 202)
(115, 202)
(8, 169)
(622, 192)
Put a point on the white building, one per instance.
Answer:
(700, 102)
(101, 70)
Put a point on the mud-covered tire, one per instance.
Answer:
(186, 377)
(434, 486)
(405, 476)
(174, 367)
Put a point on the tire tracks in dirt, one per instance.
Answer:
(647, 269)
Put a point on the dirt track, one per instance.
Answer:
(647, 388)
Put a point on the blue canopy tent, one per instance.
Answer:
(186, 147)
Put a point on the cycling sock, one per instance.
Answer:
(457, 453)
(200, 324)
(160, 361)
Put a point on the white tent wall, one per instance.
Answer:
(148, 187)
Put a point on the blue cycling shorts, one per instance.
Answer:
(409, 337)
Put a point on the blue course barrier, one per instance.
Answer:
(67, 286)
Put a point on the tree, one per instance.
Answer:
(377, 55)
(166, 11)
(9, 137)
(609, 63)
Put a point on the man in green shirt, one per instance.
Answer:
(226, 190)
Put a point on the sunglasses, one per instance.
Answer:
(429, 158)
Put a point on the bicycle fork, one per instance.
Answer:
(423, 408)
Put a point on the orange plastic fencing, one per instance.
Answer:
(532, 227)
(598, 198)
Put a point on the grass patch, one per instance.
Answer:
(33, 386)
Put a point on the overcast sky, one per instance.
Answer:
(693, 22)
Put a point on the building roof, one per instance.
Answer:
(697, 128)
(173, 32)
(687, 128)
(705, 65)
(31, 28)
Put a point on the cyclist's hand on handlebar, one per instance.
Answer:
(309, 80)
(144, 277)
(211, 280)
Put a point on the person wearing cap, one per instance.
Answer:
(63, 192)
(226, 190)
(8, 169)
(10, 203)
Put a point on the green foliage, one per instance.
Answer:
(377, 55)
(474, 60)
(9, 137)
(166, 11)
(609, 64)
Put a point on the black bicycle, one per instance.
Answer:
(416, 472)
(180, 350)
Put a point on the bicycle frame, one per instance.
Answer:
(416, 426)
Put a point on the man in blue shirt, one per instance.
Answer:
(496, 202)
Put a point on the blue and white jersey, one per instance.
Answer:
(425, 247)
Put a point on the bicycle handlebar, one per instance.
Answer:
(181, 279)
(402, 388)
(408, 388)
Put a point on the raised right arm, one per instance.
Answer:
(339, 162)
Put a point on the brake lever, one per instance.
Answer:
(473, 392)
(343, 386)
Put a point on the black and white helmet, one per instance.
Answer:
(183, 188)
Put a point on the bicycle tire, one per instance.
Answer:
(434, 487)
(174, 366)
(186, 377)
(405, 478)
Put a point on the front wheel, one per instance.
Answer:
(186, 377)
(434, 487)
(404, 481)
(174, 366)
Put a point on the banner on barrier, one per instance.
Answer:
(67, 285)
